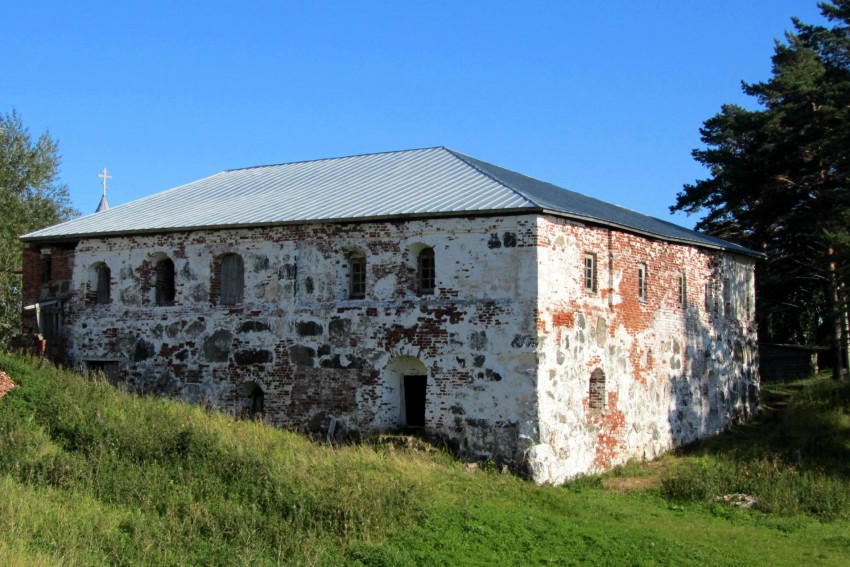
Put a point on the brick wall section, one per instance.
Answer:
(63, 264)
(36, 290)
(215, 280)
(31, 281)
(596, 398)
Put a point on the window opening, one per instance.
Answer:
(427, 272)
(730, 298)
(590, 272)
(683, 291)
(46, 268)
(232, 273)
(642, 282)
(357, 276)
(104, 277)
(165, 282)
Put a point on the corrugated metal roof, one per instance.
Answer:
(425, 182)
(575, 205)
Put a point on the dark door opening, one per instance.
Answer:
(252, 400)
(414, 400)
(108, 368)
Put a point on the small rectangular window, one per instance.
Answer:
(232, 274)
(427, 271)
(730, 298)
(590, 272)
(683, 291)
(714, 297)
(164, 284)
(642, 282)
(357, 277)
(46, 268)
(104, 277)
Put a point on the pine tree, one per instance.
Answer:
(779, 181)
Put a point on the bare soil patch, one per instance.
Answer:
(6, 383)
(648, 476)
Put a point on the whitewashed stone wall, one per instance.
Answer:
(508, 341)
(673, 373)
(317, 354)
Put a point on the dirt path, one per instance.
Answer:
(650, 477)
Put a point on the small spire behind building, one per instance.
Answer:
(104, 204)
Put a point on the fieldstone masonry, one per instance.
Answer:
(670, 371)
(522, 363)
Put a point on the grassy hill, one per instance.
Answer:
(92, 475)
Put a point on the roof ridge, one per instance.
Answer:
(533, 199)
(465, 159)
(335, 158)
(173, 189)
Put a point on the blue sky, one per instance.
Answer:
(605, 98)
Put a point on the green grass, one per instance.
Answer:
(91, 475)
(794, 460)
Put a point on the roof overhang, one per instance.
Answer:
(735, 249)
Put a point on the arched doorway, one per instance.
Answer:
(406, 392)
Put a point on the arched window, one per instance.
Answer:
(596, 399)
(232, 278)
(426, 274)
(356, 275)
(103, 281)
(164, 282)
(99, 282)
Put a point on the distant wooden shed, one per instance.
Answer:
(779, 363)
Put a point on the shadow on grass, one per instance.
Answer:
(792, 459)
(805, 424)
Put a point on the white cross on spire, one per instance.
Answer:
(104, 176)
(104, 204)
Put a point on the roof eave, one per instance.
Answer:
(336, 220)
(625, 228)
(395, 217)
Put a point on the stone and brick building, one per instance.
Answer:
(420, 288)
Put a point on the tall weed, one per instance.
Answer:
(219, 490)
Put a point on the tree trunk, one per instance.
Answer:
(835, 323)
(845, 327)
